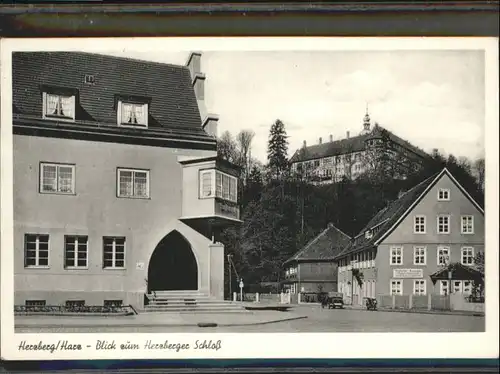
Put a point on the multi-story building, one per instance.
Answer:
(433, 226)
(374, 148)
(312, 269)
(117, 188)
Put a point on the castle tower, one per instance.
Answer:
(366, 123)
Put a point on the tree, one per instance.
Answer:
(254, 186)
(358, 275)
(478, 286)
(226, 147)
(479, 171)
(479, 261)
(277, 150)
(244, 140)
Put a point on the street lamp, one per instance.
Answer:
(450, 276)
(230, 276)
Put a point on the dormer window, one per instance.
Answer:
(58, 106)
(132, 111)
(132, 114)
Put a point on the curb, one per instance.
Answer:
(266, 322)
(194, 324)
(471, 314)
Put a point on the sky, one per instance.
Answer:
(434, 99)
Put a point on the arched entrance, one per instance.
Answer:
(173, 265)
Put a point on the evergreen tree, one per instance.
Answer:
(277, 151)
(254, 186)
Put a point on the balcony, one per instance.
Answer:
(209, 193)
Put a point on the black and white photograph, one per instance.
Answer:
(164, 187)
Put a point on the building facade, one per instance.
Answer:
(117, 188)
(431, 226)
(375, 148)
(312, 269)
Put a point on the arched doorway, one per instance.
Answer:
(173, 265)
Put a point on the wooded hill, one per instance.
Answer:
(281, 213)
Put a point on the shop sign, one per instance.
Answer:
(407, 273)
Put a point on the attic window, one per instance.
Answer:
(368, 234)
(443, 194)
(58, 106)
(89, 79)
(132, 114)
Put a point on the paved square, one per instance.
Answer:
(318, 320)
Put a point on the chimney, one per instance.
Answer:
(320, 140)
(197, 80)
(304, 144)
(210, 124)
(331, 138)
(348, 134)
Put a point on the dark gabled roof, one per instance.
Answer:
(328, 149)
(379, 131)
(386, 218)
(459, 271)
(349, 145)
(325, 246)
(167, 87)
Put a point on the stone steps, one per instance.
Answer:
(189, 301)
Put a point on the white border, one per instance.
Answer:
(305, 345)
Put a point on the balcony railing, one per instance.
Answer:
(227, 209)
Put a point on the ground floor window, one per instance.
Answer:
(36, 250)
(396, 287)
(75, 252)
(457, 286)
(113, 303)
(444, 288)
(75, 303)
(419, 287)
(463, 287)
(35, 303)
(114, 253)
(467, 287)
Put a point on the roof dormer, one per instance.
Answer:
(59, 103)
(132, 111)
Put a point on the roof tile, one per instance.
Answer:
(386, 218)
(173, 101)
(325, 246)
(349, 145)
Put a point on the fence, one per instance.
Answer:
(309, 297)
(458, 302)
(272, 298)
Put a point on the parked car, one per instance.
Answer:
(335, 300)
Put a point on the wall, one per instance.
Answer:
(313, 271)
(192, 205)
(96, 211)
(316, 286)
(313, 276)
(217, 270)
(403, 235)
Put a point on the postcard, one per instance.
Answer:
(266, 198)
